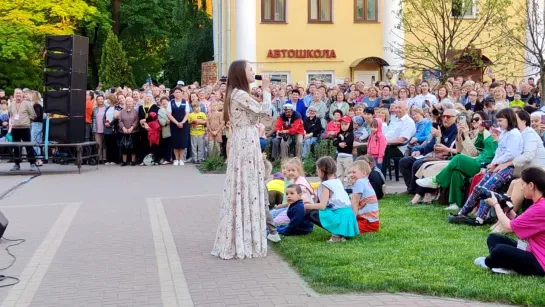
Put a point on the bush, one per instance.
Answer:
(213, 164)
(321, 149)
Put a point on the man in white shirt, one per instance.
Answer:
(424, 100)
(398, 134)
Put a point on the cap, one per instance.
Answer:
(180, 82)
(288, 106)
(313, 108)
(369, 110)
(358, 120)
(450, 112)
(346, 119)
(278, 175)
(517, 93)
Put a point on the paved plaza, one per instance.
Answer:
(141, 236)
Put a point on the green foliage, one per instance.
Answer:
(214, 163)
(145, 29)
(415, 251)
(23, 27)
(114, 69)
(321, 149)
(190, 45)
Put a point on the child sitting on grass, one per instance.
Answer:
(295, 174)
(276, 189)
(364, 200)
(299, 225)
(333, 212)
(376, 178)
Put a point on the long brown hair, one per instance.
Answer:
(236, 79)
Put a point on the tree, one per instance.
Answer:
(448, 35)
(191, 42)
(526, 31)
(23, 27)
(114, 68)
(144, 30)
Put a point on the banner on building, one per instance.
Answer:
(209, 73)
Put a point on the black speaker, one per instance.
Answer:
(73, 44)
(68, 103)
(69, 54)
(3, 224)
(66, 80)
(67, 130)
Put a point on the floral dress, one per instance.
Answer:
(242, 225)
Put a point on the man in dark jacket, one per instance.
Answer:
(447, 133)
(289, 130)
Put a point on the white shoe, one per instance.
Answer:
(427, 183)
(176, 163)
(480, 262)
(452, 207)
(181, 162)
(503, 271)
(274, 238)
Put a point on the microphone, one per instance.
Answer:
(273, 79)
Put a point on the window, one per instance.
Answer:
(283, 75)
(320, 11)
(273, 11)
(464, 8)
(365, 10)
(327, 77)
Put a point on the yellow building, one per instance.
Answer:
(300, 40)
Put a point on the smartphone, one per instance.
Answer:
(543, 119)
(487, 124)
(435, 125)
(462, 119)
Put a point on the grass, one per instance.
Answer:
(415, 251)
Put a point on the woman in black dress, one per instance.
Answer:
(178, 110)
(143, 113)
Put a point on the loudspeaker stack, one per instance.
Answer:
(66, 82)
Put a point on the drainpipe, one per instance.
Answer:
(228, 36)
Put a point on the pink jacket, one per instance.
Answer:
(376, 144)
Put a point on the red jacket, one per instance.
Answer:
(294, 125)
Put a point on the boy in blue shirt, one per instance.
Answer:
(299, 225)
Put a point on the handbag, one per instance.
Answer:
(127, 141)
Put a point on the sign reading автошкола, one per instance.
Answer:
(302, 53)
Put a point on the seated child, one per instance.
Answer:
(275, 187)
(364, 200)
(376, 178)
(295, 174)
(333, 212)
(299, 225)
(280, 209)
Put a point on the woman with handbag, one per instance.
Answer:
(128, 125)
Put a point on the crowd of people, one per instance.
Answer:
(450, 141)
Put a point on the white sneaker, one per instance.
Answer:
(181, 162)
(274, 238)
(480, 262)
(427, 183)
(452, 207)
(176, 163)
(503, 271)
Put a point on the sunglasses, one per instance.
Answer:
(476, 119)
(447, 116)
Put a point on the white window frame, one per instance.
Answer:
(280, 73)
(473, 14)
(322, 72)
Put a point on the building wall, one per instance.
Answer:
(351, 41)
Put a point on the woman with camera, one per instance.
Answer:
(499, 172)
(527, 256)
(474, 148)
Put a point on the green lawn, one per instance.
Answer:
(416, 251)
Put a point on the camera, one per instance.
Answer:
(483, 193)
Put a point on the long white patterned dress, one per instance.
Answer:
(242, 226)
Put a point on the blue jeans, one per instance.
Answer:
(36, 135)
(307, 145)
(263, 144)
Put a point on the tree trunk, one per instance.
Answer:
(115, 16)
